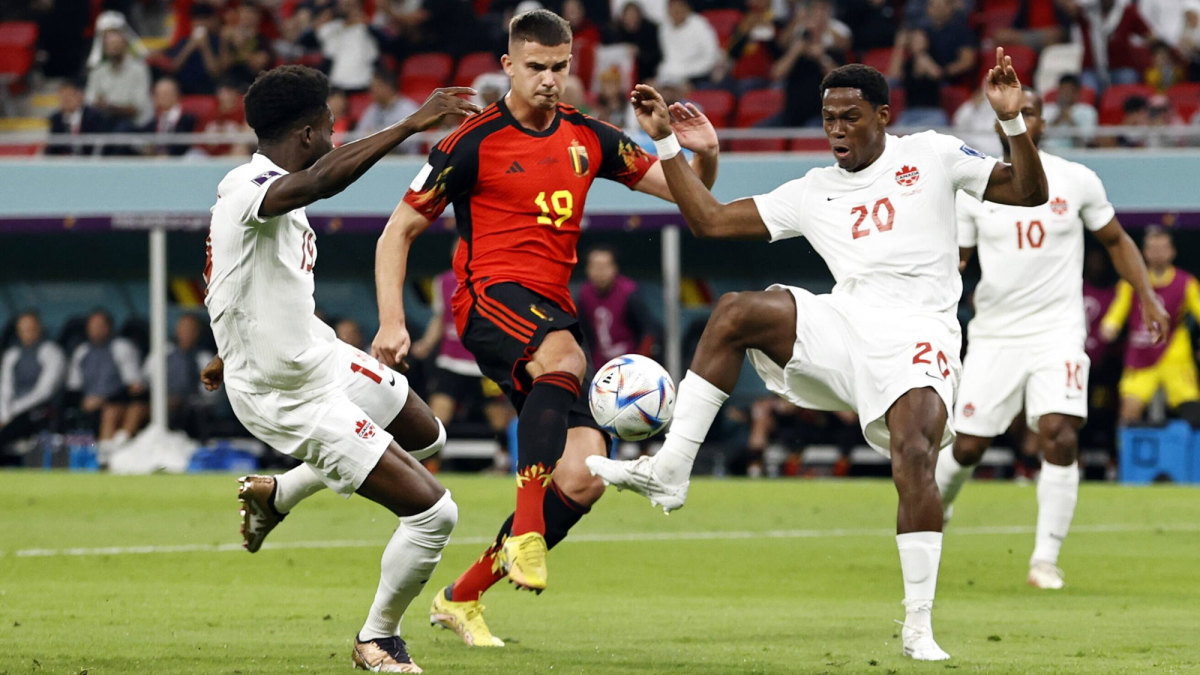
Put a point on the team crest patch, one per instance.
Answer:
(968, 150)
(1058, 206)
(907, 175)
(265, 177)
(579, 158)
(969, 410)
(365, 429)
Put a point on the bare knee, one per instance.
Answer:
(559, 352)
(754, 319)
(1060, 439)
(968, 449)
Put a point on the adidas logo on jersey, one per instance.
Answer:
(907, 175)
(515, 168)
(365, 429)
(1059, 206)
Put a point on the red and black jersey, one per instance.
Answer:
(518, 196)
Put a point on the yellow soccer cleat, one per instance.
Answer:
(523, 557)
(464, 618)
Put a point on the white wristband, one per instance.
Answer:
(667, 147)
(1013, 127)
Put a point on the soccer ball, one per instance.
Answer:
(632, 397)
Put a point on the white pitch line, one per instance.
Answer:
(599, 538)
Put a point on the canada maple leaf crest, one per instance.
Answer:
(907, 175)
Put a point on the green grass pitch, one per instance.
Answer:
(113, 574)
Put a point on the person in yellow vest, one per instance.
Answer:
(1170, 363)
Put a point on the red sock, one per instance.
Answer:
(531, 493)
(541, 437)
(479, 577)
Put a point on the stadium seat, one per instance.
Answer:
(757, 105)
(26, 150)
(724, 22)
(880, 59)
(1185, 96)
(896, 99)
(953, 98)
(203, 106)
(1112, 102)
(473, 65)
(717, 104)
(419, 88)
(18, 34)
(995, 18)
(357, 105)
(15, 63)
(1086, 95)
(1054, 62)
(755, 63)
(434, 67)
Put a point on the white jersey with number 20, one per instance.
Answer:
(1032, 257)
(887, 232)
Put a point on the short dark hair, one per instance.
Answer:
(283, 98)
(603, 248)
(1157, 231)
(1069, 78)
(1135, 103)
(870, 82)
(541, 26)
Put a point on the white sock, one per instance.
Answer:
(1057, 492)
(296, 485)
(920, 553)
(696, 407)
(408, 562)
(950, 475)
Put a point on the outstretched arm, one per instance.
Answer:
(342, 166)
(696, 133)
(1128, 260)
(1022, 183)
(705, 215)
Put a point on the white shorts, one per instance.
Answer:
(999, 377)
(337, 429)
(850, 356)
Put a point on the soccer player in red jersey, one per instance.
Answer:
(518, 175)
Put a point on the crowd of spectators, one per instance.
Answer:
(1113, 60)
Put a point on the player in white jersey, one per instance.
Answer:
(1026, 344)
(885, 343)
(289, 380)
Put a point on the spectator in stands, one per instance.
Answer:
(61, 36)
(245, 52)
(1164, 71)
(74, 117)
(1114, 38)
(871, 22)
(339, 107)
(350, 43)
(1168, 18)
(387, 106)
(613, 314)
(489, 87)
(1137, 114)
(350, 332)
(188, 403)
(585, 38)
(808, 45)
(975, 123)
(612, 101)
(119, 85)
(922, 78)
(753, 40)
(169, 118)
(106, 374)
(1068, 112)
(951, 44)
(229, 118)
(296, 38)
(1188, 43)
(631, 27)
(31, 374)
(1038, 23)
(1163, 116)
(689, 44)
(195, 61)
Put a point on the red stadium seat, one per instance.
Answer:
(1184, 94)
(419, 88)
(20, 150)
(758, 145)
(757, 105)
(15, 62)
(203, 106)
(880, 59)
(755, 62)
(472, 66)
(18, 34)
(995, 18)
(716, 104)
(896, 99)
(435, 67)
(1112, 103)
(724, 22)
(1086, 95)
(356, 105)
(953, 98)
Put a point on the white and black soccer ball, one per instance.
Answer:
(632, 397)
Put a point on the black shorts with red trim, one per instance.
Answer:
(506, 323)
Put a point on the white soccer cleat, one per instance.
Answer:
(917, 637)
(638, 476)
(1045, 575)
